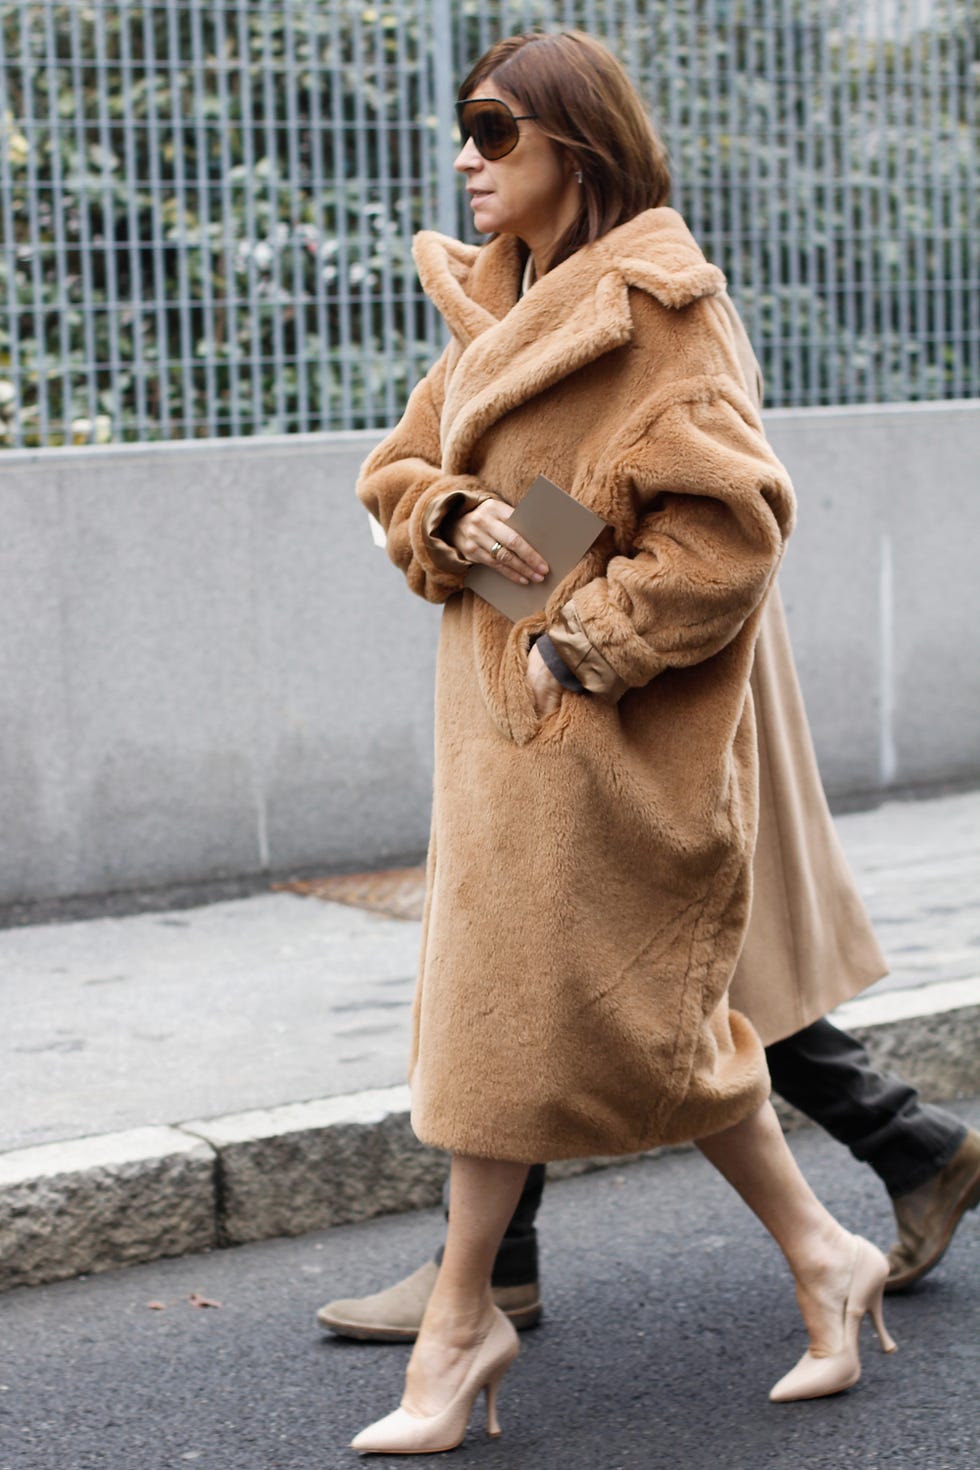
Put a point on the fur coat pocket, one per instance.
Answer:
(502, 649)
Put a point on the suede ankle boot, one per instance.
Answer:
(395, 1314)
(928, 1216)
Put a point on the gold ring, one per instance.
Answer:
(496, 549)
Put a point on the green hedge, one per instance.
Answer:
(206, 208)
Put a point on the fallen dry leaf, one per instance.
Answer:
(156, 1306)
(197, 1300)
(397, 892)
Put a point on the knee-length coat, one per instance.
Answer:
(589, 872)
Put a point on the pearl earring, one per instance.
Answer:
(578, 174)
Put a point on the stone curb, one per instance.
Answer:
(92, 1204)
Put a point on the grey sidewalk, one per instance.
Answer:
(173, 1080)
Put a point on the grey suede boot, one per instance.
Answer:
(394, 1315)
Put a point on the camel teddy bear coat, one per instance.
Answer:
(589, 872)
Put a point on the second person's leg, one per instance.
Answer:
(926, 1158)
(830, 1077)
(395, 1313)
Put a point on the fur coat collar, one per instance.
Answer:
(507, 350)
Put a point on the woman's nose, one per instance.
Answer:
(467, 157)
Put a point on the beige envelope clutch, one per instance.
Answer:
(557, 526)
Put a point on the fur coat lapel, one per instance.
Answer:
(506, 351)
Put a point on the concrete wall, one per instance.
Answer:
(882, 589)
(207, 669)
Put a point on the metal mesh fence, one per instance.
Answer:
(206, 206)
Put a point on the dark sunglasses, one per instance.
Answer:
(491, 125)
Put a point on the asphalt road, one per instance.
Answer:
(669, 1315)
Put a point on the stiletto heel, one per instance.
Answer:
(817, 1375)
(405, 1433)
(493, 1423)
(885, 1340)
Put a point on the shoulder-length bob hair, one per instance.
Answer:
(583, 100)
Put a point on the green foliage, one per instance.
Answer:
(197, 241)
(206, 207)
(833, 174)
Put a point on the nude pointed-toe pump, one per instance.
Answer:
(404, 1433)
(815, 1377)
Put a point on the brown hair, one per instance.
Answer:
(584, 101)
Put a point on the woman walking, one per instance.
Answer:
(596, 786)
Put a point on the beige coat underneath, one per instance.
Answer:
(809, 945)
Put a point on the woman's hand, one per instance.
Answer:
(475, 534)
(545, 688)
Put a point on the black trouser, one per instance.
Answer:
(829, 1076)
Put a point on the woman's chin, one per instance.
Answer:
(484, 221)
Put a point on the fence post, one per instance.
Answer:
(447, 184)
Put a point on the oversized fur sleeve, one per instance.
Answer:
(402, 485)
(715, 508)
